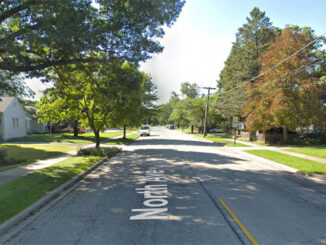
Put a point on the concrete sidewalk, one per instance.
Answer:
(15, 173)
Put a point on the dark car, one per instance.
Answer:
(171, 126)
(313, 134)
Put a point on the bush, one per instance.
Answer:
(102, 152)
(3, 155)
(315, 141)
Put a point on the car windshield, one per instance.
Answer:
(144, 127)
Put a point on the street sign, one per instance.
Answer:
(235, 122)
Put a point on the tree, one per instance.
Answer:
(13, 84)
(149, 108)
(37, 34)
(252, 40)
(179, 113)
(190, 90)
(93, 90)
(55, 108)
(196, 111)
(166, 110)
(287, 96)
(136, 100)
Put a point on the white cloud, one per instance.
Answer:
(37, 86)
(189, 55)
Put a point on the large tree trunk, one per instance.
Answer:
(97, 138)
(124, 131)
(285, 133)
(192, 129)
(76, 128)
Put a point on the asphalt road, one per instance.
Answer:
(168, 189)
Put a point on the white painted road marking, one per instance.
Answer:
(156, 195)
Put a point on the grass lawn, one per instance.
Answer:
(237, 145)
(18, 194)
(23, 154)
(214, 139)
(312, 151)
(294, 162)
(120, 141)
(226, 141)
(84, 138)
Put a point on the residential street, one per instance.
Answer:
(198, 177)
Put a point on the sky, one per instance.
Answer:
(199, 42)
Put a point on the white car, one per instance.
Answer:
(145, 130)
(216, 130)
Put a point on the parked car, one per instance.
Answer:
(216, 130)
(145, 130)
(313, 134)
(171, 126)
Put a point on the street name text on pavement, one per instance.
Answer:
(155, 194)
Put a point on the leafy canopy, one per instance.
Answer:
(36, 34)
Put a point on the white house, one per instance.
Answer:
(13, 119)
(35, 127)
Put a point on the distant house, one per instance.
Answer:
(35, 127)
(13, 119)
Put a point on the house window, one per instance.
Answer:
(14, 122)
(17, 122)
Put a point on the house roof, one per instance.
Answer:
(4, 102)
(31, 111)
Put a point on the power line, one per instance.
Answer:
(304, 9)
(276, 65)
(282, 76)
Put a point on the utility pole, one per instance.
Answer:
(206, 111)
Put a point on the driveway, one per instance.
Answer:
(171, 188)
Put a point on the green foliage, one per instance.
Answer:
(37, 34)
(282, 97)
(102, 152)
(167, 108)
(3, 155)
(190, 90)
(12, 84)
(113, 94)
(252, 40)
(136, 101)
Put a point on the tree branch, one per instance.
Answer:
(17, 68)
(15, 10)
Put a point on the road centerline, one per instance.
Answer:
(239, 223)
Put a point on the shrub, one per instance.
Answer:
(3, 155)
(103, 152)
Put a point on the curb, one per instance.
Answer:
(15, 220)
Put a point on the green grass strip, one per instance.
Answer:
(18, 194)
(129, 138)
(83, 138)
(214, 139)
(312, 151)
(237, 145)
(28, 153)
(305, 165)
